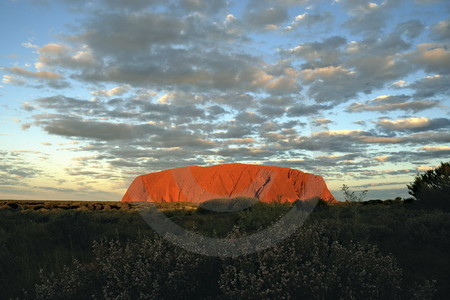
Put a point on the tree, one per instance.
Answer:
(432, 188)
(351, 196)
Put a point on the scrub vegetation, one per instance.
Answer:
(392, 249)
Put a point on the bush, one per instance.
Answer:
(147, 269)
(432, 188)
(311, 266)
(351, 196)
(227, 204)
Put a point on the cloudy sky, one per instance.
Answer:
(94, 93)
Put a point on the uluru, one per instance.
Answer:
(200, 184)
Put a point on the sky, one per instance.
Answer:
(95, 93)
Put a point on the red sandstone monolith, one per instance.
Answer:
(199, 184)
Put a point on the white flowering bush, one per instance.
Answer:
(73, 282)
(311, 266)
(147, 269)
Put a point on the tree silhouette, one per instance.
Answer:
(432, 188)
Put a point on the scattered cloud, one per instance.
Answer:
(432, 57)
(13, 80)
(322, 122)
(158, 84)
(415, 124)
(427, 1)
(31, 74)
(442, 30)
(265, 18)
(16, 168)
(436, 149)
(431, 86)
(391, 103)
(307, 20)
(20, 75)
(116, 91)
(305, 110)
(319, 54)
(366, 18)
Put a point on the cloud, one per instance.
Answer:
(366, 17)
(309, 20)
(264, 15)
(249, 118)
(306, 110)
(13, 80)
(144, 123)
(134, 6)
(270, 111)
(196, 52)
(319, 54)
(427, 1)
(30, 74)
(433, 58)
(16, 168)
(335, 141)
(415, 124)
(436, 149)
(116, 91)
(205, 6)
(175, 83)
(335, 70)
(358, 141)
(64, 104)
(414, 106)
(96, 130)
(61, 55)
(411, 29)
(330, 84)
(51, 79)
(161, 50)
(389, 103)
(431, 86)
(325, 74)
(27, 106)
(322, 122)
(442, 30)
(170, 68)
(109, 131)
(382, 158)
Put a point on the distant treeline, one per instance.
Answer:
(111, 205)
(88, 205)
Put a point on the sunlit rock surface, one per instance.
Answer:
(199, 184)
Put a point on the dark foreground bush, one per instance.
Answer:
(147, 269)
(311, 266)
(313, 263)
(227, 205)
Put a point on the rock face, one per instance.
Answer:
(199, 184)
